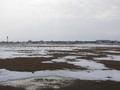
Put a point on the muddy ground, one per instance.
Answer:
(35, 64)
(78, 85)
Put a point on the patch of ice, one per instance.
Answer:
(112, 51)
(59, 60)
(11, 75)
(64, 59)
(113, 75)
(90, 53)
(85, 53)
(84, 75)
(47, 62)
(70, 57)
(88, 64)
(4, 54)
(27, 50)
(15, 54)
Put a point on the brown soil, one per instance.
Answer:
(91, 57)
(10, 88)
(79, 85)
(93, 85)
(111, 64)
(34, 64)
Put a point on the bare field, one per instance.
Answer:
(75, 85)
(61, 67)
(34, 64)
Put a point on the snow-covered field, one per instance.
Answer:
(41, 50)
(87, 56)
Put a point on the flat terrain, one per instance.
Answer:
(77, 85)
(61, 67)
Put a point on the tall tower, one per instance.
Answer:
(7, 39)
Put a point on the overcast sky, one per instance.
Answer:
(23, 20)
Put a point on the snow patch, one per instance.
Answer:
(6, 75)
(88, 64)
(112, 51)
(47, 62)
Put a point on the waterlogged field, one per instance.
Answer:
(59, 67)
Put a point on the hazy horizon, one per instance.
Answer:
(59, 20)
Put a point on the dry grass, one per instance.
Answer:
(78, 85)
(10, 88)
(91, 57)
(93, 85)
(111, 64)
(34, 64)
(90, 85)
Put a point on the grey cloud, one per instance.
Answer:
(59, 19)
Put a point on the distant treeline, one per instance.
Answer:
(68, 42)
